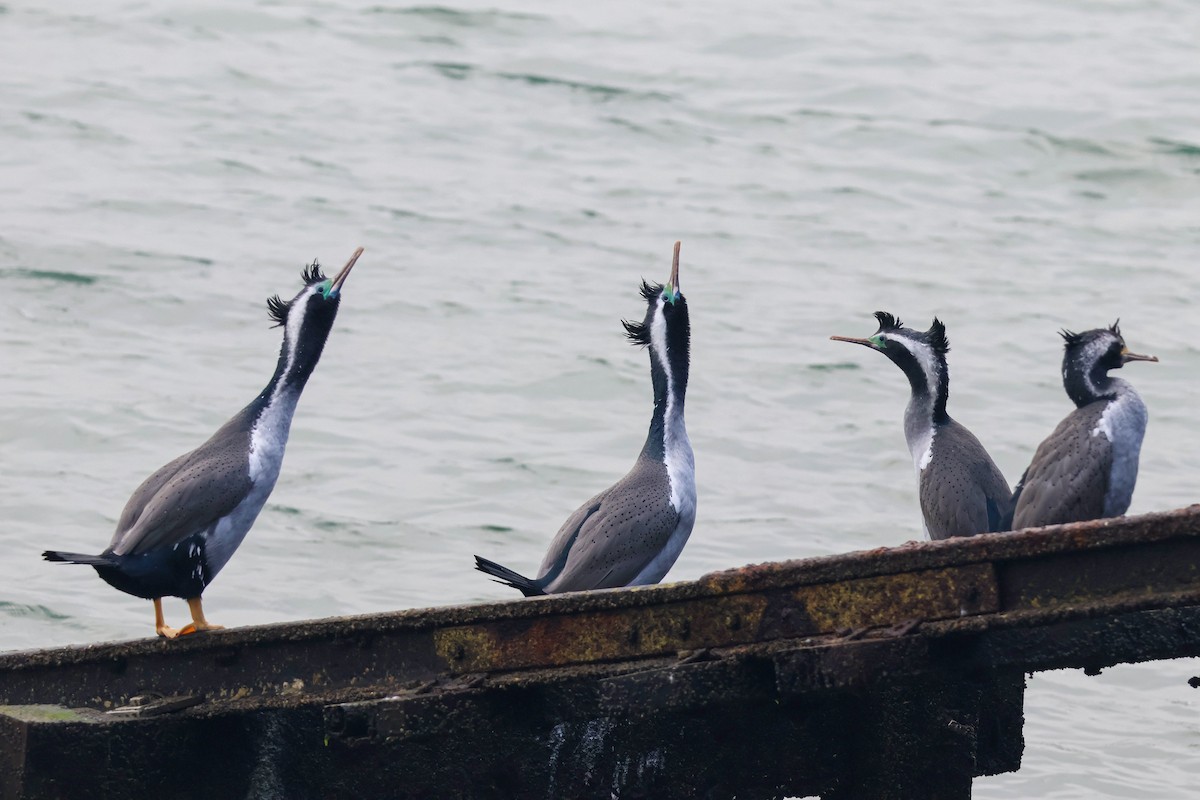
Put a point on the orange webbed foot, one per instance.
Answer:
(198, 624)
(192, 627)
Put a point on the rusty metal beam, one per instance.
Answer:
(797, 678)
(1137, 557)
(391, 650)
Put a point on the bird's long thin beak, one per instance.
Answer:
(865, 342)
(675, 269)
(1127, 356)
(341, 276)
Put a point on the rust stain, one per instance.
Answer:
(596, 636)
(888, 599)
(613, 634)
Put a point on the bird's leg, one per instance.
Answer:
(160, 625)
(198, 623)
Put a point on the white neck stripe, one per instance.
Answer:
(1090, 356)
(677, 449)
(291, 338)
(925, 357)
(658, 348)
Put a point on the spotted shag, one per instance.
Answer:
(182, 525)
(631, 533)
(962, 492)
(1087, 468)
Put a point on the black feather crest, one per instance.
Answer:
(1116, 328)
(937, 337)
(638, 333)
(312, 273)
(1070, 337)
(277, 310)
(887, 322)
(651, 291)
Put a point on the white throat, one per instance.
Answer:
(1123, 405)
(269, 436)
(677, 448)
(919, 430)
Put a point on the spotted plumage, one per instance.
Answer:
(612, 539)
(961, 490)
(184, 522)
(1087, 468)
(631, 533)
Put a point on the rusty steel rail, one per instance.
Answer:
(836, 676)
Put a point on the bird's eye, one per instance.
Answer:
(325, 288)
(879, 342)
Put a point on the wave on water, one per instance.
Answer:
(201, 260)
(85, 130)
(1175, 147)
(832, 367)
(456, 16)
(460, 71)
(30, 611)
(453, 71)
(53, 275)
(405, 213)
(604, 90)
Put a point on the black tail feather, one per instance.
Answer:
(77, 558)
(1006, 524)
(529, 588)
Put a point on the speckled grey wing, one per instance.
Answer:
(136, 504)
(560, 547)
(962, 490)
(187, 495)
(627, 527)
(1068, 477)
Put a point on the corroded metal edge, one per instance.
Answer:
(1096, 534)
(907, 663)
(1084, 564)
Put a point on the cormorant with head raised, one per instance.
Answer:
(182, 525)
(631, 533)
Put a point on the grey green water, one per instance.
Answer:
(513, 171)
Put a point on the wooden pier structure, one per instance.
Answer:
(891, 674)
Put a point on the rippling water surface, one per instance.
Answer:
(513, 172)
